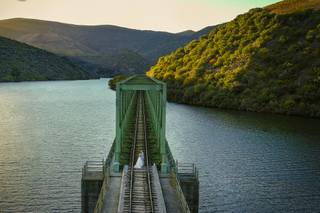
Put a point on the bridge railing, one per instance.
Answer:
(171, 161)
(106, 179)
(180, 193)
(93, 169)
(103, 191)
(175, 177)
(110, 155)
(186, 170)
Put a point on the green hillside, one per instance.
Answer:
(100, 49)
(21, 62)
(291, 6)
(260, 61)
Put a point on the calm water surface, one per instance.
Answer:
(248, 162)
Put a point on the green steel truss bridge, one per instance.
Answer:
(162, 185)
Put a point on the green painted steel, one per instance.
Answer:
(126, 96)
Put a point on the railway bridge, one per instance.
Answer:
(162, 184)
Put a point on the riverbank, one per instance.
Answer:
(177, 96)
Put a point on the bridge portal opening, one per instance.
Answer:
(131, 94)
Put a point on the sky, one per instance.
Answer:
(160, 15)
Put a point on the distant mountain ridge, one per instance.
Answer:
(22, 62)
(98, 47)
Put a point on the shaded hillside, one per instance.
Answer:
(116, 79)
(124, 61)
(104, 46)
(258, 62)
(21, 62)
(291, 6)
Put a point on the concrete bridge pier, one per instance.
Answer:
(190, 189)
(91, 183)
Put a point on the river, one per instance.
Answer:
(248, 162)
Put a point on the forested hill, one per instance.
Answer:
(105, 49)
(291, 6)
(260, 61)
(21, 62)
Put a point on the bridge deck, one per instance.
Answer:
(140, 190)
(170, 197)
(138, 194)
(111, 201)
(112, 196)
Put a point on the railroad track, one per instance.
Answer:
(139, 196)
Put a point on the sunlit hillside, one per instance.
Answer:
(290, 6)
(258, 62)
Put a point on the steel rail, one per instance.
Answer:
(132, 158)
(147, 156)
(140, 109)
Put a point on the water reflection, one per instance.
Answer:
(47, 131)
(249, 162)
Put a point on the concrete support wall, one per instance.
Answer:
(190, 188)
(90, 190)
(91, 183)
